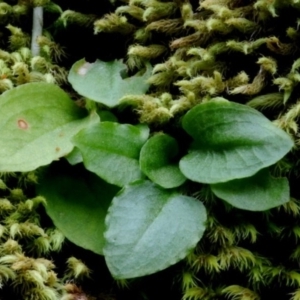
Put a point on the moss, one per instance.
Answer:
(245, 51)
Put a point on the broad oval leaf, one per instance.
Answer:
(149, 229)
(231, 141)
(257, 193)
(77, 203)
(103, 82)
(112, 150)
(37, 121)
(156, 161)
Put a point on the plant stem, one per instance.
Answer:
(37, 28)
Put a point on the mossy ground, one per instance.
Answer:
(245, 51)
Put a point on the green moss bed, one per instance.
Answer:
(245, 51)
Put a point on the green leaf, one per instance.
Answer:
(256, 193)
(77, 203)
(111, 150)
(106, 115)
(149, 229)
(74, 157)
(37, 121)
(103, 82)
(156, 161)
(231, 141)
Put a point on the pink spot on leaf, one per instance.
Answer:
(22, 124)
(84, 68)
